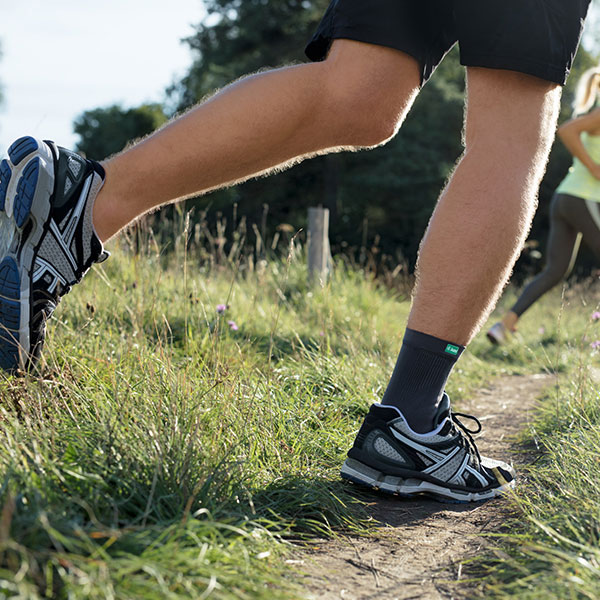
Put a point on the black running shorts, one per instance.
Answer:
(537, 37)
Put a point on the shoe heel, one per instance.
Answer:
(22, 148)
(357, 472)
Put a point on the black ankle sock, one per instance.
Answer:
(419, 378)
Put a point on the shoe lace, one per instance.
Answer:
(468, 433)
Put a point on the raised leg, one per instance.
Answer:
(356, 98)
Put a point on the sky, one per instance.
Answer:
(62, 57)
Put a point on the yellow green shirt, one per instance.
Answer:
(579, 181)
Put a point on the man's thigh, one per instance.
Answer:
(372, 67)
(421, 29)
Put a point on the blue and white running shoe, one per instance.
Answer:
(389, 456)
(47, 240)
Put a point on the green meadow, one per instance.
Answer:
(186, 430)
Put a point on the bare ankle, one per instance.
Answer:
(110, 212)
(106, 218)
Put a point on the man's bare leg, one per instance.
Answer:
(410, 443)
(356, 98)
(475, 234)
(484, 214)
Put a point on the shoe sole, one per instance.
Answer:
(357, 472)
(26, 188)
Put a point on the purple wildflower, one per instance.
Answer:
(596, 316)
(232, 325)
(595, 345)
(221, 308)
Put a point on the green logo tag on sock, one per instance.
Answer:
(451, 349)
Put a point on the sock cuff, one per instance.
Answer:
(430, 343)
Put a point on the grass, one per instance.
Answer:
(161, 453)
(555, 552)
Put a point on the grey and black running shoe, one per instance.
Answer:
(445, 463)
(47, 240)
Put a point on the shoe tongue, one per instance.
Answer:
(443, 410)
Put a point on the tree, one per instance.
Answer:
(106, 131)
(242, 36)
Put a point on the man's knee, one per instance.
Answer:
(363, 117)
(367, 92)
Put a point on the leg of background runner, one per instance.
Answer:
(356, 98)
(484, 214)
(559, 257)
(588, 227)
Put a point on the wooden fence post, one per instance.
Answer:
(319, 254)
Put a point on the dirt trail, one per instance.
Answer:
(417, 549)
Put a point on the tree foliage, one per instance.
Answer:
(242, 36)
(106, 131)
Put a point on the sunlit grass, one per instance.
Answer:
(553, 548)
(163, 453)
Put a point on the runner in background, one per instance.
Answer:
(575, 207)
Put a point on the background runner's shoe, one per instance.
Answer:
(47, 240)
(445, 463)
(497, 334)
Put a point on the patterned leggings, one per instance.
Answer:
(571, 219)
